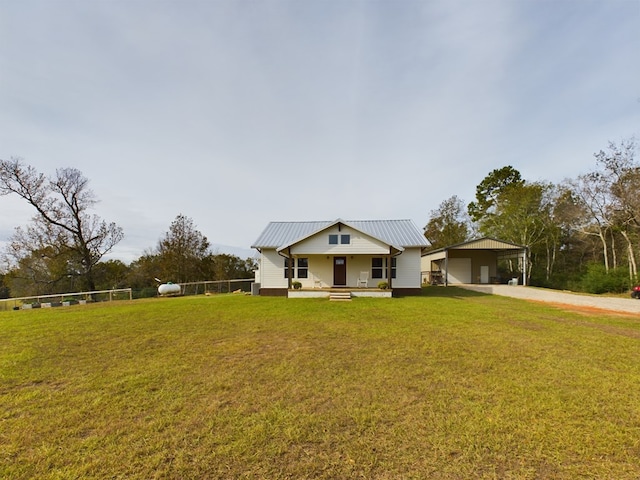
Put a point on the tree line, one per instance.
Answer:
(63, 247)
(582, 234)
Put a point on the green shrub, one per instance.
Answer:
(383, 285)
(598, 280)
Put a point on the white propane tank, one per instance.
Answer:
(169, 289)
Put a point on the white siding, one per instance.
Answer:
(272, 270)
(321, 268)
(408, 269)
(356, 265)
(459, 270)
(360, 244)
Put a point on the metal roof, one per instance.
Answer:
(484, 243)
(399, 233)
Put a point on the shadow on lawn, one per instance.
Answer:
(449, 292)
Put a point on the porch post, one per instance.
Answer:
(389, 279)
(446, 267)
(289, 268)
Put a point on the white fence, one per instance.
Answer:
(215, 286)
(59, 299)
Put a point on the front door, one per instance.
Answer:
(340, 271)
(484, 273)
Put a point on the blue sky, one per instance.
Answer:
(236, 113)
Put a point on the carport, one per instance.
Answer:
(473, 262)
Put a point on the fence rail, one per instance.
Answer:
(187, 288)
(61, 298)
(219, 286)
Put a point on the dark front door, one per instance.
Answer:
(340, 271)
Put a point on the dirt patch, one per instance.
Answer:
(588, 310)
(592, 312)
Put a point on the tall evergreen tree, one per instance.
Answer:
(181, 252)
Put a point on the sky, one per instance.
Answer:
(236, 113)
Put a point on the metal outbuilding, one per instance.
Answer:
(473, 262)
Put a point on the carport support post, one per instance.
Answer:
(524, 267)
(446, 267)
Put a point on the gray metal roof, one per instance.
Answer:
(483, 243)
(399, 233)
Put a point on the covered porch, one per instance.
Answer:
(339, 271)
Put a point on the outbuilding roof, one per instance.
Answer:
(484, 243)
(399, 233)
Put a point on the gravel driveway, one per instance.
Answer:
(627, 305)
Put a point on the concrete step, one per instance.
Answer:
(340, 296)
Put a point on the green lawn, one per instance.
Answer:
(448, 385)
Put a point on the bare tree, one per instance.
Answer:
(621, 168)
(593, 192)
(62, 221)
(609, 196)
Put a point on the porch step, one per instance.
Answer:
(340, 296)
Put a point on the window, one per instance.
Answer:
(345, 239)
(303, 268)
(333, 239)
(379, 267)
(376, 268)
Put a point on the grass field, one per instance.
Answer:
(450, 385)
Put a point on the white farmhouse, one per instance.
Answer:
(355, 255)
